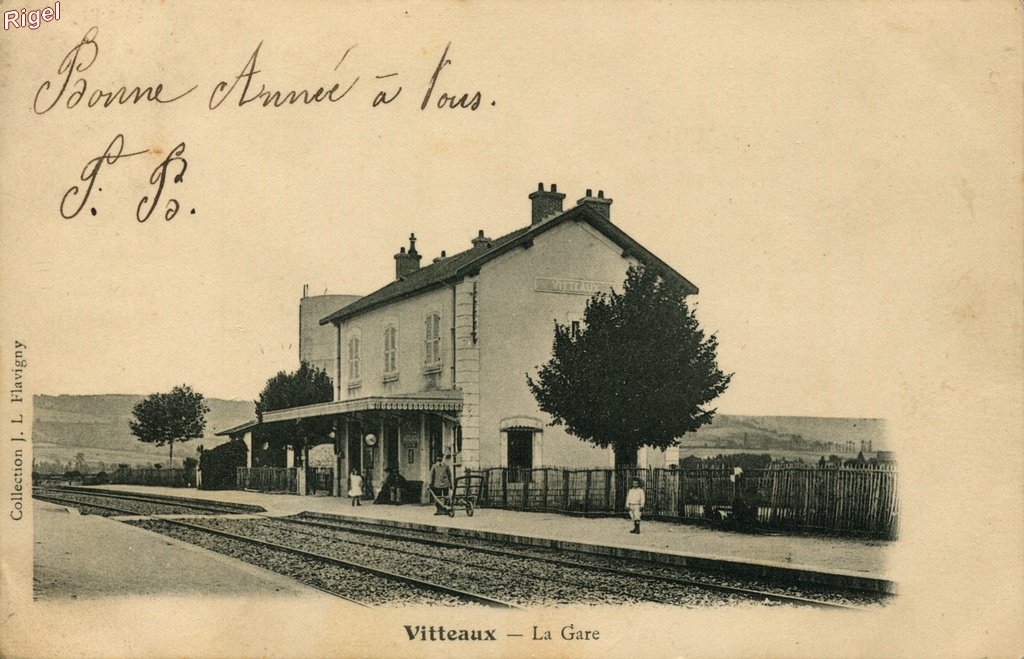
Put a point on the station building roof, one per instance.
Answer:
(467, 263)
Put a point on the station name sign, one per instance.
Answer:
(571, 286)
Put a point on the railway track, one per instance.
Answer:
(650, 571)
(370, 565)
(332, 575)
(210, 507)
(342, 585)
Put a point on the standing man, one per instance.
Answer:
(440, 481)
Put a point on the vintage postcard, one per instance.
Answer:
(568, 329)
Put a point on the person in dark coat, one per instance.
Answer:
(391, 489)
(440, 481)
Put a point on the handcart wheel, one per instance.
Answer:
(469, 508)
(451, 511)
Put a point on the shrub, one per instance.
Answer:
(218, 465)
(746, 461)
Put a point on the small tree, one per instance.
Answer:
(177, 416)
(306, 386)
(639, 372)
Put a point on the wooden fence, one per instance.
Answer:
(845, 500)
(266, 479)
(161, 477)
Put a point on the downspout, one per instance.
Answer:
(337, 372)
(453, 335)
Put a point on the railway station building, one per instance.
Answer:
(435, 362)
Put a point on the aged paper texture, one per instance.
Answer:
(843, 181)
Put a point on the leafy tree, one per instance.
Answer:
(177, 416)
(639, 372)
(306, 386)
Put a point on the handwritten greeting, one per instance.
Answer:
(72, 89)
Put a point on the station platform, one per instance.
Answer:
(821, 559)
(83, 557)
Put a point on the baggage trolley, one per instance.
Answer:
(463, 495)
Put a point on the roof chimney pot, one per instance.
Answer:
(545, 204)
(598, 203)
(481, 240)
(407, 263)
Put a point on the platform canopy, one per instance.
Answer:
(445, 400)
(235, 430)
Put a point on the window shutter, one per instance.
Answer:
(390, 349)
(428, 344)
(353, 358)
(437, 337)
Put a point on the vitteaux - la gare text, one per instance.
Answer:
(440, 633)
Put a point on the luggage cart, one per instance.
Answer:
(463, 495)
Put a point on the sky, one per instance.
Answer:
(815, 173)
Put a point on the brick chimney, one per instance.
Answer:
(545, 204)
(407, 263)
(598, 203)
(481, 240)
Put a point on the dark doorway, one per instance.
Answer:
(435, 437)
(391, 447)
(520, 452)
(624, 457)
(355, 447)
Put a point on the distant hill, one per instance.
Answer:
(98, 427)
(790, 433)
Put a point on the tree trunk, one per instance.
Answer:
(170, 459)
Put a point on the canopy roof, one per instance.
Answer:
(443, 400)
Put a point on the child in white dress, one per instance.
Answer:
(355, 487)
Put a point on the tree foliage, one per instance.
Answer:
(165, 418)
(639, 372)
(306, 386)
(219, 464)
